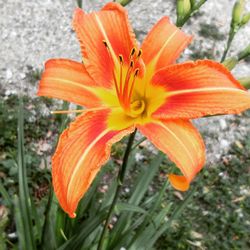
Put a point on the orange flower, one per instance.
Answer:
(123, 87)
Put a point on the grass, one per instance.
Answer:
(218, 215)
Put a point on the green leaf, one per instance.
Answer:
(19, 224)
(86, 228)
(156, 206)
(24, 197)
(48, 240)
(177, 212)
(5, 195)
(140, 188)
(142, 241)
(129, 207)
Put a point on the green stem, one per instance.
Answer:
(138, 143)
(229, 42)
(120, 178)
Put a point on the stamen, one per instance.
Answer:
(121, 64)
(121, 59)
(126, 83)
(136, 72)
(75, 111)
(139, 54)
(113, 71)
(131, 64)
(105, 44)
(132, 52)
(67, 111)
(133, 83)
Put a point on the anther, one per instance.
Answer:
(136, 72)
(131, 65)
(105, 44)
(121, 59)
(132, 52)
(139, 53)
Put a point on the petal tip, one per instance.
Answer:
(179, 182)
(114, 6)
(72, 215)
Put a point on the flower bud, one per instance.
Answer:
(245, 81)
(230, 63)
(237, 12)
(183, 8)
(244, 53)
(245, 19)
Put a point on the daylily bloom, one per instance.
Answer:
(123, 87)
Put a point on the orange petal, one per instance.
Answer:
(163, 44)
(179, 182)
(68, 80)
(110, 24)
(82, 149)
(196, 89)
(182, 143)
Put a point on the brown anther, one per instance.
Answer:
(105, 44)
(121, 59)
(132, 52)
(139, 53)
(131, 65)
(136, 72)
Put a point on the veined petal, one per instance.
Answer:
(180, 140)
(112, 26)
(196, 89)
(82, 149)
(68, 80)
(163, 44)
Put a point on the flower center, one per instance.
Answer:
(124, 75)
(136, 108)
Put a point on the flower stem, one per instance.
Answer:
(120, 178)
(229, 42)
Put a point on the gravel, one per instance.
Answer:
(34, 31)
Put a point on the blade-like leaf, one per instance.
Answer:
(152, 210)
(149, 231)
(86, 228)
(48, 240)
(24, 197)
(5, 195)
(129, 207)
(140, 188)
(173, 217)
(19, 224)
